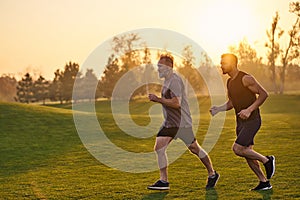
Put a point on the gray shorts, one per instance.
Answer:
(185, 134)
(246, 130)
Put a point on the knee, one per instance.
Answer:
(194, 149)
(198, 151)
(238, 150)
(156, 149)
(159, 149)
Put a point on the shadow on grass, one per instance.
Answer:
(266, 194)
(211, 194)
(156, 195)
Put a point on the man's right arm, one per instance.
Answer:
(173, 103)
(216, 109)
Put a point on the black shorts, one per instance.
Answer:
(185, 134)
(246, 130)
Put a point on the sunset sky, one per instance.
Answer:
(41, 35)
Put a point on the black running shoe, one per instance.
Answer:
(159, 185)
(270, 166)
(263, 186)
(212, 181)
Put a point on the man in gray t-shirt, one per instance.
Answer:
(177, 124)
(173, 87)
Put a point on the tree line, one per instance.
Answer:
(59, 89)
(280, 73)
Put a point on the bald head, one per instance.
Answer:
(229, 57)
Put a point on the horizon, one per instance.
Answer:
(40, 37)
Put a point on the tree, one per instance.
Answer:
(41, 89)
(125, 46)
(190, 73)
(68, 77)
(25, 89)
(110, 77)
(273, 46)
(8, 88)
(205, 61)
(128, 47)
(88, 84)
(150, 75)
(61, 88)
(249, 61)
(293, 75)
(246, 54)
(292, 50)
(55, 88)
(206, 70)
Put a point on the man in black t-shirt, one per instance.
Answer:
(245, 95)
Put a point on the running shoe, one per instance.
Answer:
(212, 180)
(159, 185)
(263, 186)
(270, 166)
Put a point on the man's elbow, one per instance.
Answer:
(263, 94)
(176, 103)
(178, 106)
(266, 95)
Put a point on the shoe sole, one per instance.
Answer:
(158, 188)
(262, 189)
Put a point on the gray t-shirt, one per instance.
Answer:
(180, 117)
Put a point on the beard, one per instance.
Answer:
(224, 71)
(164, 73)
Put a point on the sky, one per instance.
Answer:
(40, 36)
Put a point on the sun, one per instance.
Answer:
(225, 23)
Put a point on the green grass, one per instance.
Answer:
(42, 157)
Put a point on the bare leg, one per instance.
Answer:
(254, 165)
(203, 156)
(252, 158)
(248, 153)
(161, 145)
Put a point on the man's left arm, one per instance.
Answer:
(250, 82)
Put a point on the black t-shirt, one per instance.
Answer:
(240, 95)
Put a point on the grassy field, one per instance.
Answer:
(42, 157)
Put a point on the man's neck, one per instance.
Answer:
(233, 74)
(169, 75)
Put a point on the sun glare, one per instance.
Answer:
(226, 23)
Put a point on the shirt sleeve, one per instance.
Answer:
(176, 88)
